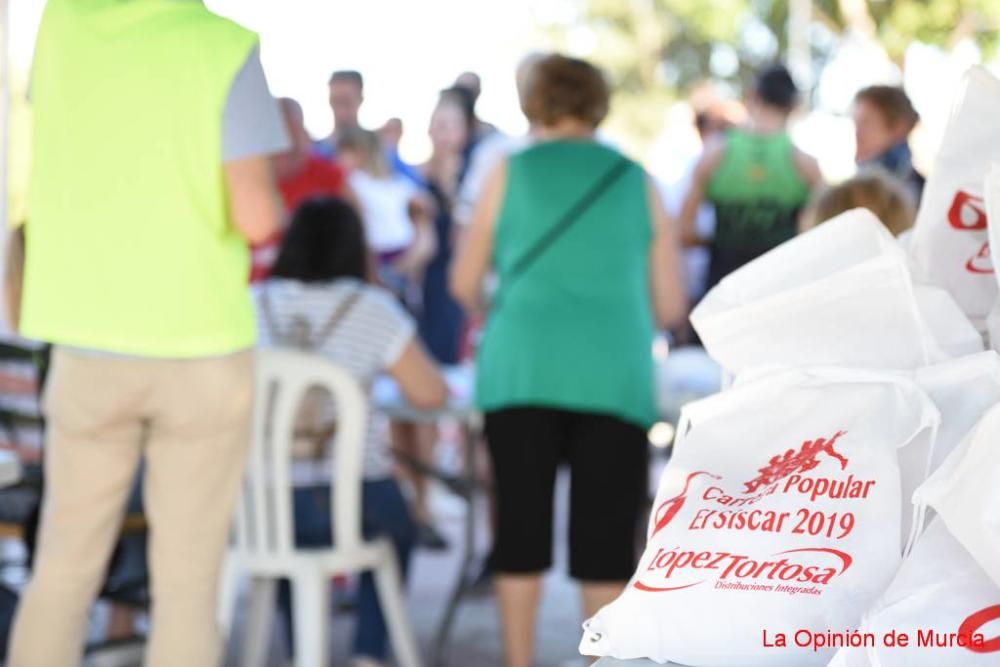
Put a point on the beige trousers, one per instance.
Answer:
(191, 420)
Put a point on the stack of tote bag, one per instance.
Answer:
(848, 478)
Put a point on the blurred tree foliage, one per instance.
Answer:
(655, 50)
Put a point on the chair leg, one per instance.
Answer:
(393, 603)
(259, 622)
(311, 614)
(229, 591)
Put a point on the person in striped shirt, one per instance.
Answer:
(317, 299)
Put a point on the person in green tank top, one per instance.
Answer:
(588, 268)
(756, 179)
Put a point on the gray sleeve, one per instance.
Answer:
(251, 122)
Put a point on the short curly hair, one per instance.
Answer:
(560, 87)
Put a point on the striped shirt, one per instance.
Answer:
(368, 338)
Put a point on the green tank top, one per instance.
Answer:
(575, 329)
(129, 244)
(757, 193)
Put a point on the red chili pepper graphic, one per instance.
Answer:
(672, 506)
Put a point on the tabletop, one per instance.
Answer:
(387, 398)
(683, 375)
(642, 662)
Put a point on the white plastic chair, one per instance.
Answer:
(264, 545)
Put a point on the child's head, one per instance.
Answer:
(879, 192)
(324, 241)
(361, 149)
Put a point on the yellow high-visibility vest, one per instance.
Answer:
(129, 244)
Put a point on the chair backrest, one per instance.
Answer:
(264, 523)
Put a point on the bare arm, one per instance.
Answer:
(666, 283)
(424, 245)
(473, 260)
(254, 204)
(808, 169)
(419, 378)
(710, 160)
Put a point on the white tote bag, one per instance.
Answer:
(771, 520)
(965, 493)
(953, 333)
(949, 244)
(993, 327)
(839, 294)
(963, 391)
(992, 189)
(944, 604)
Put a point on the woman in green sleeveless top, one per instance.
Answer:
(587, 266)
(756, 178)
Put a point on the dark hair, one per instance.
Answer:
(350, 76)
(464, 99)
(325, 240)
(892, 103)
(561, 87)
(775, 87)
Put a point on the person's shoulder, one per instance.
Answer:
(360, 179)
(197, 15)
(407, 185)
(277, 290)
(713, 152)
(380, 304)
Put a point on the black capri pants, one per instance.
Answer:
(608, 460)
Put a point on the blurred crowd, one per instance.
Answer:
(551, 260)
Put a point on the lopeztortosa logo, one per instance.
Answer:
(794, 570)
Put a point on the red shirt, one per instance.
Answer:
(318, 177)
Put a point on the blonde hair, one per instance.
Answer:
(366, 144)
(876, 190)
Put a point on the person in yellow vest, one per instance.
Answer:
(152, 130)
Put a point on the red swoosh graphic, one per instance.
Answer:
(976, 621)
(971, 267)
(846, 558)
(652, 589)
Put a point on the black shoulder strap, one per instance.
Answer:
(574, 213)
(338, 314)
(307, 342)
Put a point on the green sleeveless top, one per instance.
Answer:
(129, 244)
(757, 193)
(575, 329)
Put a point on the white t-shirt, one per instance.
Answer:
(369, 337)
(486, 155)
(385, 209)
